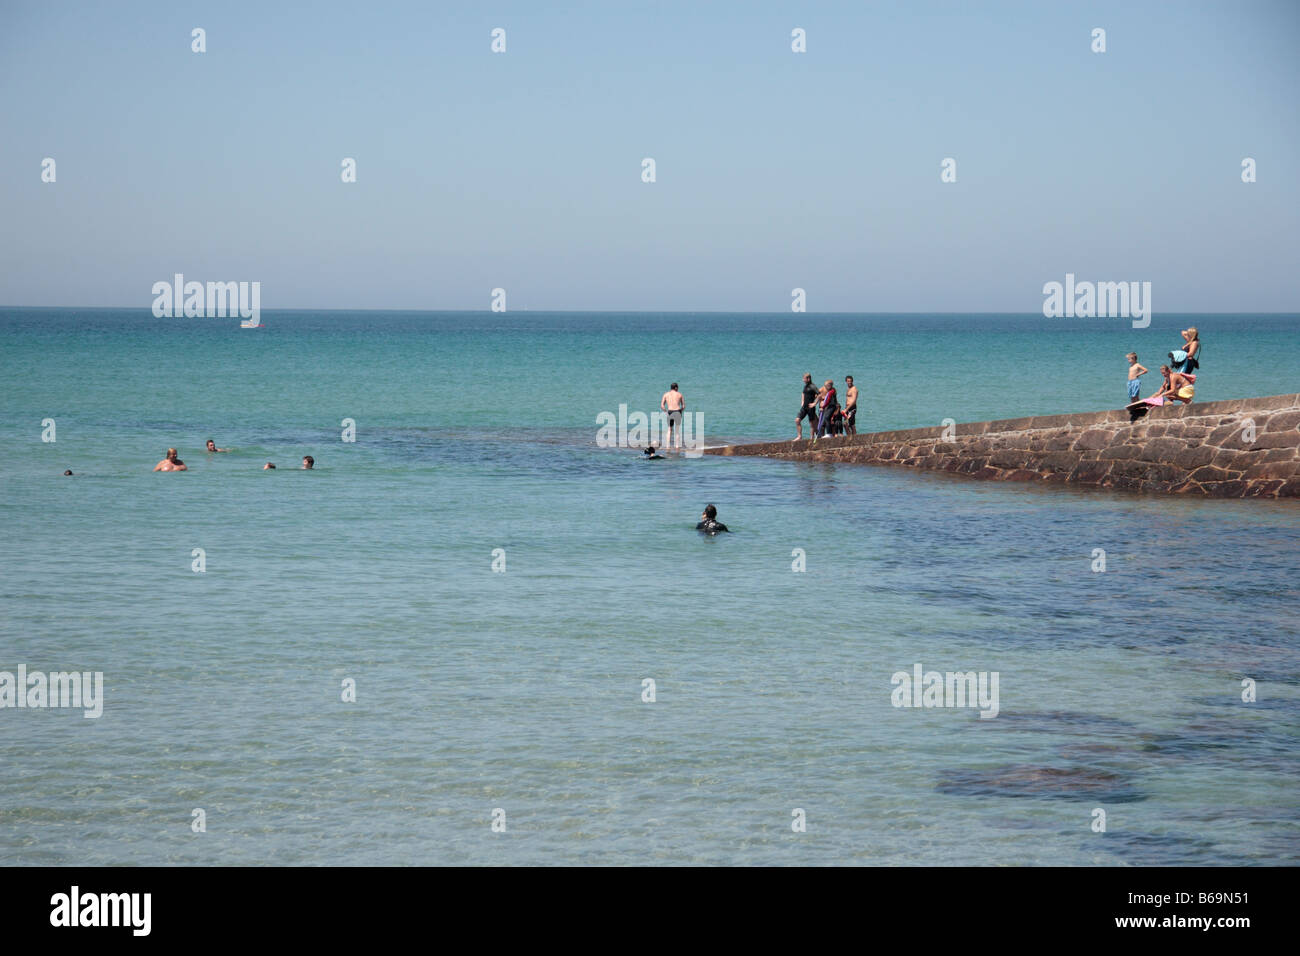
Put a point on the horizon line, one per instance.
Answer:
(126, 308)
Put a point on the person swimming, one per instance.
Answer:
(212, 446)
(710, 524)
(170, 463)
(268, 467)
(308, 462)
(649, 454)
(67, 473)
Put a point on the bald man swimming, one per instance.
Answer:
(170, 463)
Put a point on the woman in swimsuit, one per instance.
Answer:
(828, 405)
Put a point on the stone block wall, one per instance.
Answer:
(1241, 448)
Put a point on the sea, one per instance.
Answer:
(475, 633)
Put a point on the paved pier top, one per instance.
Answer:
(1239, 448)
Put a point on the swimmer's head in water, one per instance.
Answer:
(673, 386)
(267, 465)
(171, 454)
(649, 449)
(308, 462)
(212, 446)
(68, 472)
(710, 513)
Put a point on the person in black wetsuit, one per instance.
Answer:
(710, 523)
(808, 408)
(650, 454)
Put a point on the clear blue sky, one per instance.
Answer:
(775, 170)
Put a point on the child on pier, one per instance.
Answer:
(1134, 371)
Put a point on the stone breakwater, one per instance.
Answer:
(1241, 448)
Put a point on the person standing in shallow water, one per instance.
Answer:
(674, 403)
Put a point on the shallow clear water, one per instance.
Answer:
(523, 690)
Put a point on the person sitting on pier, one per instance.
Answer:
(1178, 387)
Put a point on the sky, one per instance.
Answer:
(774, 170)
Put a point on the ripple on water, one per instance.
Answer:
(1061, 722)
(1172, 848)
(1023, 780)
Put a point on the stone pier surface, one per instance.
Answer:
(1241, 448)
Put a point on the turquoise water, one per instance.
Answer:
(522, 690)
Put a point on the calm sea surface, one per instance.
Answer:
(523, 690)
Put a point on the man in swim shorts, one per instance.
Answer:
(709, 522)
(807, 407)
(850, 406)
(674, 403)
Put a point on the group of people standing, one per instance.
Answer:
(821, 406)
(1179, 376)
